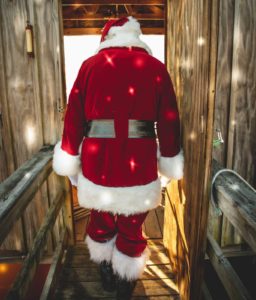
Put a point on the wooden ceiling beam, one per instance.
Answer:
(103, 17)
(112, 2)
(129, 10)
(90, 31)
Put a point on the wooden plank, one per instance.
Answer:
(85, 290)
(88, 31)
(68, 210)
(111, 2)
(206, 293)
(86, 273)
(191, 28)
(224, 70)
(71, 14)
(25, 277)
(7, 158)
(160, 217)
(238, 203)
(230, 280)
(48, 53)
(51, 279)
(24, 109)
(242, 125)
(152, 227)
(17, 191)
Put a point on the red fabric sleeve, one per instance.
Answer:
(74, 121)
(168, 122)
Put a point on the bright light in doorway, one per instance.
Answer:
(79, 48)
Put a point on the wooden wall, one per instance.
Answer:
(235, 102)
(191, 58)
(235, 108)
(31, 98)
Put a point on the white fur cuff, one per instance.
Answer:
(127, 267)
(172, 167)
(65, 164)
(100, 251)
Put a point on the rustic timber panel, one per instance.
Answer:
(235, 106)
(224, 75)
(191, 41)
(242, 127)
(32, 98)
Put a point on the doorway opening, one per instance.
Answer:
(82, 24)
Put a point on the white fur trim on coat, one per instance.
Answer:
(100, 251)
(124, 36)
(65, 164)
(118, 200)
(127, 267)
(171, 167)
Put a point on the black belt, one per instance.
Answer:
(106, 129)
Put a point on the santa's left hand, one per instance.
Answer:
(73, 179)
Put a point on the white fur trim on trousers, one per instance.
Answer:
(127, 267)
(118, 200)
(100, 251)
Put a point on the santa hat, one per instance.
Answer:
(123, 32)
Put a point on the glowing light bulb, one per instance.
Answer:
(3, 268)
(131, 91)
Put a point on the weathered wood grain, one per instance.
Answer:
(230, 280)
(242, 128)
(7, 165)
(224, 76)
(238, 203)
(52, 275)
(152, 225)
(191, 28)
(22, 281)
(17, 191)
(32, 94)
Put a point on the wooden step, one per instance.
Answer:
(80, 278)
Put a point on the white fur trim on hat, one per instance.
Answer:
(171, 167)
(118, 200)
(126, 35)
(127, 267)
(100, 251)
(65, 164)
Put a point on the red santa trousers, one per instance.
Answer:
(118, 239)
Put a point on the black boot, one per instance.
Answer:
(125, 289)
(108, 278)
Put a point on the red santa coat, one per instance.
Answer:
(120, 174)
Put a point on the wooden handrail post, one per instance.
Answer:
(68, 210)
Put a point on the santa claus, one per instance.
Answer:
(121, 104)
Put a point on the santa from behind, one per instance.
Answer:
(121, 127)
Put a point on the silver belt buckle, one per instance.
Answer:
(105, 128)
